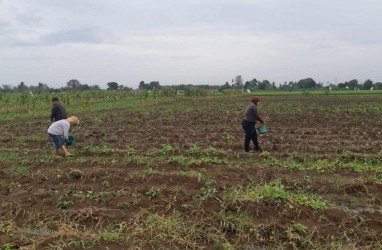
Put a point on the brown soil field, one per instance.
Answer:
(173, 175)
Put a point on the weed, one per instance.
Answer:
(296, 232)
(123, 205)
(236, 222)
(295, 166)
(3, 184)
(108, 236)
(130, 152)
(79, 160)
(153, 193)
(136, 198)
(182, 160)
(8, 227)
(152, 171)
(201, 175)
(211, 160)
(322, 165)
(229, 139)
(166, 149)
(194, 150)
(63, 204)
(106, 184)
(8, 246)
(206, 192)
(272, 191)
(22, 170)
(310, 200)
(234, 193)
(142, 160)
(75, 174)
(213, 150)
(322, 218)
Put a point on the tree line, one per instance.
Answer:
(236, 84)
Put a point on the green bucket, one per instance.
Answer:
(71, 139)
(262, 129)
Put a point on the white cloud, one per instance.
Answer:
(191, 41)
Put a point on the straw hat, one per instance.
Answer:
(74, 120)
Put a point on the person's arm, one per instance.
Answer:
(257, 116)
(260, 120)
(66, 130)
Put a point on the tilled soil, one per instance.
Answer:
(127, 172)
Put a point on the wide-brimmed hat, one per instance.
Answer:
(74, 120)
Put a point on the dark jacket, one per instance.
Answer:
(58, 112)
(251, 114)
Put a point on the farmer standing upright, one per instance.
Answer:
(249, 122)
(58, 110)
(59, 132)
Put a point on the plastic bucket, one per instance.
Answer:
(262, 129)
(71, 139)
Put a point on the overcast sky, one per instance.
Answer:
(189, 41)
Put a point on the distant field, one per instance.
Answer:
(19, 105)
(171, 173)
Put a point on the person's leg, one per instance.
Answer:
(57, 153)
(57, 142)
(247, 126)
(66, 152)
(255, 140)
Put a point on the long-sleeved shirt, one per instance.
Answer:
(58, 112)
(60, 127)
(251, 113)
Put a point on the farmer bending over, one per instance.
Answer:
(59, 132)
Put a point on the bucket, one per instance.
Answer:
(262, 129)
(71, 139)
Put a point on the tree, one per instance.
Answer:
(22, 87)
(6, 88)
(342, 85)
(307, 83)
(251, 85)
(265, 85)
(154, 85)
(238, 84)
(378, 85)
(84, 87)
(143, 85)
(368, 84)
(42, 87)
(73, 84)
(112, 86)
(353, 84)
(225, 86)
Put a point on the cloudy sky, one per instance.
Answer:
(189, 41)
